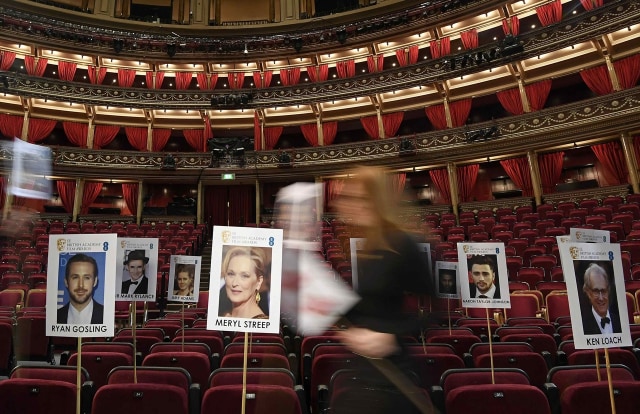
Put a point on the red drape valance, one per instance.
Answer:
(518, 170)
(398, 182)
(40, 129)
(104, 134)
(35, 68)
(329, 131)
(89, 195)
(195, 138)
(550, 167)
(11, 125)
(440, 180)
(137, 137)
(467, 176)
(459, 111)
(440, 48)
(271, 136)
(160, 137)
(96, 75)
(511, 26)
(310, 133)
(469, 39)
(597, 79)
(346, 68)
(130, 195)
(391, 123)
(550, 13)
(235, 80)
(611, 157)
(436, 116)
(375, 63)
(290, 77)
(126, 77)
(183, 80)
(6, 59)
(76, 133)
(628, 71)
(591, 4)
(401, 57)
(370, 125)
(66, 70)
(67, 192)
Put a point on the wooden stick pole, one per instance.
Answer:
(182, 326)
(135, 342)
(493, 377)
(449, 315)
(79, 376)
(244, 373)
(598, 364)
(609, 380)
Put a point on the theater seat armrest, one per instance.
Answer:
(302, 397)
(195, 398)
(323, 398)
(553, 396)
(468, 360)
(436, 393)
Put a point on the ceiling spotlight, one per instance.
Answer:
(245, 49)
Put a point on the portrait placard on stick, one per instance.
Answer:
(595, 285)
(589, 235)
(246, 274)
(137, 261)
(446, 276)
(81, 296)
(483, 275)
(184, 278)
(31, 164)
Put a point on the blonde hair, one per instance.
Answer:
(256, 254)
(375, 182)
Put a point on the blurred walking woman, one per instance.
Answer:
(389, 266)
(243, 271)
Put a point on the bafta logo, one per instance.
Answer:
(226, 236)
(578, 235)
(574, 252)
(465, 247)
(123, 244)
(62, 243)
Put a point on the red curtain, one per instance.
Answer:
(391, 123)
(597, 79)
(33, 68)
(149, 80)
(511, 26)
(550, 166)
(591, 4)
(329, 131)
(518, 170)
(241, 205)
(263, 79)
(310, 133)
(398, 182)
(290, 77)
(11, 125)
(436, 116)
(6, 59)
(469, 39)
(257, 134)
(370, 125)
(550, 13)
(312, 73)
(159, 138)
(130, 194)
(323, 73)
(271, 136)
(439, 48)
(459, 111)
(346, 68)
(104, 134)
(636, 146)
(628, 71)
(89, 195)
(137, 137)
(67, 192)
(467, 176)
(333, 190)
(195, 138)
(126, 77)
(3, 186)
(440, 180)
(39, 129)
(183, 80)
(96, 75)
(375, 63)
(76, 133)
(511, 101)
(401, 56)
(66, 70)
(207, 82)
(537, 94)
(235, 80)
(612, 159)
(215, 205)
(414, 51)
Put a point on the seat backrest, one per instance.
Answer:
(539, 341)
(593, 397)
(233, 376)
(176, 376)
(454, 378)
(140, 398)
(36, 396)
(429, 368)
(121, 347)
(557, 305)
(616, 356)
(54, 373)
(99, 364)
(566, 375)
(507, 398)
(530, 362)
(196, 363)
(198, 347)
(265, 399)
(255, 361)
(266, 348)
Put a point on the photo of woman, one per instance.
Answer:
(185, 276)
(243, 274)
